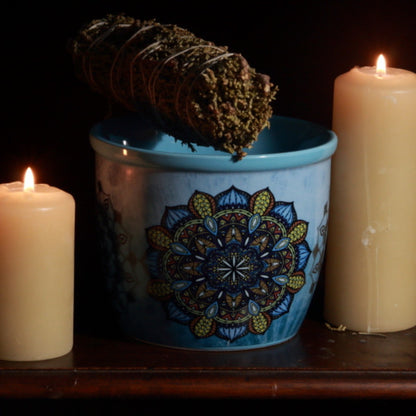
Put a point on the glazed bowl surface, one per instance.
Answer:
(201, 251)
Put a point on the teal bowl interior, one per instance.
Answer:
(288, 142)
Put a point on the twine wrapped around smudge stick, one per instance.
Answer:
(190, 88)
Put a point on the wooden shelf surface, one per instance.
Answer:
(317, 363)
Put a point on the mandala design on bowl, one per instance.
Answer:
(227, 265)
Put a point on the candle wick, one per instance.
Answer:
(380, 74)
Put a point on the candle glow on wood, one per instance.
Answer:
(125, 153)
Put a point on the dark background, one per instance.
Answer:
(47, 112)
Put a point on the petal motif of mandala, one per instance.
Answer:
(234, 301)
(281, 279)
(272, 265)
(159, 238)
(202, 204)
(212, 310)
(233, 234)
(253, 308)
(253, 223)
(261, 242)
(296, 282)
(232, 333)
(232, 198)
(260, 323)
(285, 211)
(174, 216)
(261, 202)
(297, 232)
(211, 225)
(281, 244)
(180, 249)
(282, 307)
(261, 290)
(303, 254)
(203, 327)
(159, 288)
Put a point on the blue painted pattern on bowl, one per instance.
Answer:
(202, 251)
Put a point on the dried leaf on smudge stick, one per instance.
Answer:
(190, 88)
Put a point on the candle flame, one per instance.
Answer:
(29, 181)
(381, 65)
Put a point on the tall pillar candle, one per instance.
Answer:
(370, 278)
(36, 271)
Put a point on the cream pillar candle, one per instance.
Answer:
(36, 271)
(370, 278)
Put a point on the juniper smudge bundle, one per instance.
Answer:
(190, 88)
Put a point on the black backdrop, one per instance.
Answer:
(47, 113)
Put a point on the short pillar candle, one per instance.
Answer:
(36, 271)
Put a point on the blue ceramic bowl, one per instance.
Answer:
(204, 252)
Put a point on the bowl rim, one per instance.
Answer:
(216, 161)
